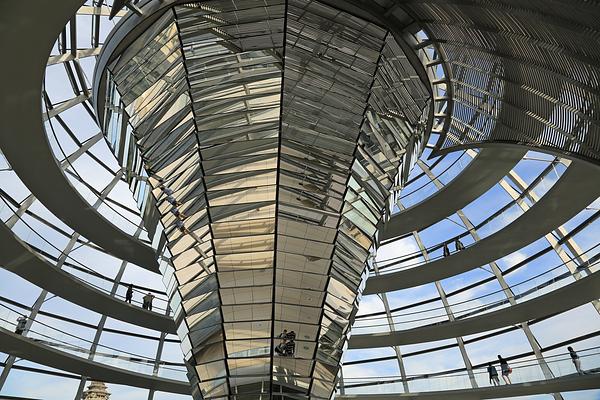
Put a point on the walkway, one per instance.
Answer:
(563, 384)
(486, 170)
(17, 257)
(560, 300)
(22, 347)
(571, 194)
(22, 136)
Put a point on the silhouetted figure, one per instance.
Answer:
(289, 348)
(147, 303)
(170, 199)
(283, 336)
(166, 190)
(129, 294)
(506, 370)
(178, 214)
(458, 245)
(576, 360)
(21, 322)
(493, 374)
(446, 250)
(181, 226)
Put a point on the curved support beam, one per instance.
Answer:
(547, 71)
(22, 136)
(516, 145)
(121, 36)
(19, 258)
(488, 167)
(118, 5)
(571, 194)
(132, 25)
(557, 385)
(22, 347)
(557, 301)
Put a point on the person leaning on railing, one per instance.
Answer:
(21, 322)
(506, 370)
(576, 361)
(493, 374)
(147, 301)
(129, 294)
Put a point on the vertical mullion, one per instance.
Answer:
(277, 190)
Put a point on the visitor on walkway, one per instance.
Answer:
(129, 294)
(179, 224)
(147, 304)
(576, 360)
(493, 374)
(166, 190)
(446, 250)
(279, 349)
(458, 245)
(170, 199)
(289, 348)
(21, 322)
(506, 370)
(178, 214)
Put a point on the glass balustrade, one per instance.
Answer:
(536, 286)
(524, 371)
(57, 339)
(73, 266)
(411, 196)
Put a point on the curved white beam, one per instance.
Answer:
(557, 301)
(571, 194)
(22, 347)
(19, 258)
(486, 169)
(563, 384)
(32, 30)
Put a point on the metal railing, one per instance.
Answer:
(44, 334)
(523, 371)
(50, 252)
(534, 286)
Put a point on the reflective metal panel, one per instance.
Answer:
(273, 133)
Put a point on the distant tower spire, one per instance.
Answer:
(96, 391)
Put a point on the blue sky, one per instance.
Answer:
(561, 327)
